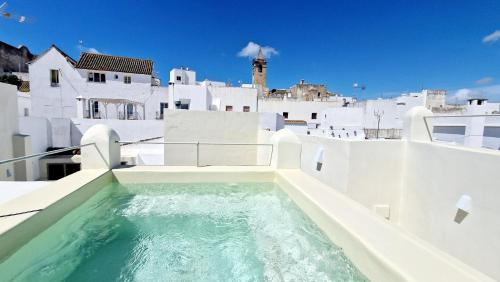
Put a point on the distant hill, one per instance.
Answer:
(13, 59)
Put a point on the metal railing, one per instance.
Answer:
(53, 152)
(198, 144)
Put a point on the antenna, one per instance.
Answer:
(9, 16)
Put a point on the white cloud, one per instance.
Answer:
(490, 38)
(485, 80)
(252, 49)
(82, 48)
(488, 92)
(91, 50)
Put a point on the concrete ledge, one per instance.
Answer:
(17, 230)
(193, 174)
(381, 250)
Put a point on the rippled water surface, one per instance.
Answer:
(183, 232)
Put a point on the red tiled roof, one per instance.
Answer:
(102, 62)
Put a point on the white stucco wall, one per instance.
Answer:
(212, 127)
(297, 110)
(152, 102)
(434, 178)
(197, 94)
(40, 131)
(417, 184)
(23, 104)
(186, 76)
(367, 171)
(48, 101)
(128, 130)
(8, 127)
(393, 110)
(237, 97)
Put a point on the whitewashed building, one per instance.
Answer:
(185, 93)
(378, 118)
(96, 86)
(478, 125)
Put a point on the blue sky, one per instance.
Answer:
(389, 46)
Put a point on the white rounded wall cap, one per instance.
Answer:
(285, 135)
(418, 111)
(100, 132)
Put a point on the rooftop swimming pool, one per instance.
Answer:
(183, 232)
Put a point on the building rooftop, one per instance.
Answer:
(102, 62)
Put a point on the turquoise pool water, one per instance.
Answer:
(183, 232)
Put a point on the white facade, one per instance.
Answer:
(342, 123)
(477, 127)
(391, 111)
(75, 96)
(185, 93)
(23, 104)
(58, 100)
(307, 111)
(182, 76)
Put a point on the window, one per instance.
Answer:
(95, 107)
(54, 78)
(130, 109)
(182, 104)
(163, 106)
(58, 171)
(178, 78)
(314, 115)
(96, 77)
(229, 108)
(246, 109)
(116, 76)
(285, 114)
(259, 68)
(319, 94)
(127, 79)
(95, 110)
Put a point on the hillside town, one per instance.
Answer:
(58, 98)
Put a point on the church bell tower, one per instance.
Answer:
(259, 66)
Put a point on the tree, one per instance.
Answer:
(378, 115)
(10, 79)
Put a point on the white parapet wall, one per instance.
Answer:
(436, 176)
(215, 131)
(8, 127)
(420, 186)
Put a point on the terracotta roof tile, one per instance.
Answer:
(295, 122)
(102, 62)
